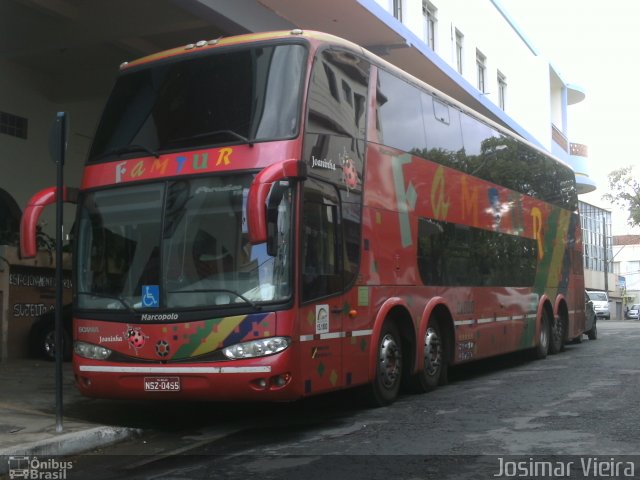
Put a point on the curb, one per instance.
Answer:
(68, 443)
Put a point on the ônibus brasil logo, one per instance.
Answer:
(37, 469)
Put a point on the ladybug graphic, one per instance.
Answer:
(136, 338)
(349, 173)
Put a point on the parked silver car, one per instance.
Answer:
(632, 313)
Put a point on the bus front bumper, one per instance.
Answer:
(268, 379)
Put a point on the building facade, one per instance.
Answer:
(601, 270)
(483, 46)
(626, 265)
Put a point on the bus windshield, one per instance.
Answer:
(178, 244)
(231, 96)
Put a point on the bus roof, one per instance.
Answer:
(317, 36)
(238, 39)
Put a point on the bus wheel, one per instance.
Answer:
(556, 343)
(593, 333)
(386, 384)
(542, 348)
(434, 368)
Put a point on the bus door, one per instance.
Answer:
(321, 315)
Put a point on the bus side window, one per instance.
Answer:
(321, 275)
(444, 132)
(399, 114)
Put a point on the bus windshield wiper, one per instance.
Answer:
(119, 298)
(212, 133)
(134, 147)
(220, 290)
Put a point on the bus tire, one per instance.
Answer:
(593, 333)
(542, 347)
(384, 388)
(434, 361)
(556, 340)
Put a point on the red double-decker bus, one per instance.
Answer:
(276, 215)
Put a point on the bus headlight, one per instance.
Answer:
(257, 348)
(88, 350)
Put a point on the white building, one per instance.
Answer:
(626, 264)
(487, 51)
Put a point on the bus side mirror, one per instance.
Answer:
(276, 194)
(31, 215)
(259, 193)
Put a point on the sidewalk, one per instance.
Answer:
(28, 414)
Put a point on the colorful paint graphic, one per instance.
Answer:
(135, 338)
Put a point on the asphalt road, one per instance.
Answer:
(572, 415)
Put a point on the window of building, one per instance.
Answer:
(459, 44)
(397, 9)
(596, 233)
(633, 267)
(13, 125)
(430, 21)
(502, 90)
(481, 64)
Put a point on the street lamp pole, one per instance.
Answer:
(606, 263)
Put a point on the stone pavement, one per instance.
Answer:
(28, 414)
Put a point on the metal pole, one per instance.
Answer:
(606, 262)
(61, 121)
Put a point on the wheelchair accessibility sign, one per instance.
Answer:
(151, 296)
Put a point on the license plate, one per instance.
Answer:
(162, 384)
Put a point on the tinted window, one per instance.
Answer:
(458, 140)
(222, 97)
(452, 254)
(517, 166)
(444, 136)
(320, 241)
(476, 135)
(399, 116)
(337, 94)
(351, 223)
(334, 151)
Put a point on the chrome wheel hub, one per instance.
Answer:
(432, 352)
(390, 361)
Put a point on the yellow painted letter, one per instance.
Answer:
(159, 165)
(138, 170)
(536, 216)
(469, 202)
(224, 155)
(439, 202)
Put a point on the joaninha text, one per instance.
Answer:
(589, 466)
